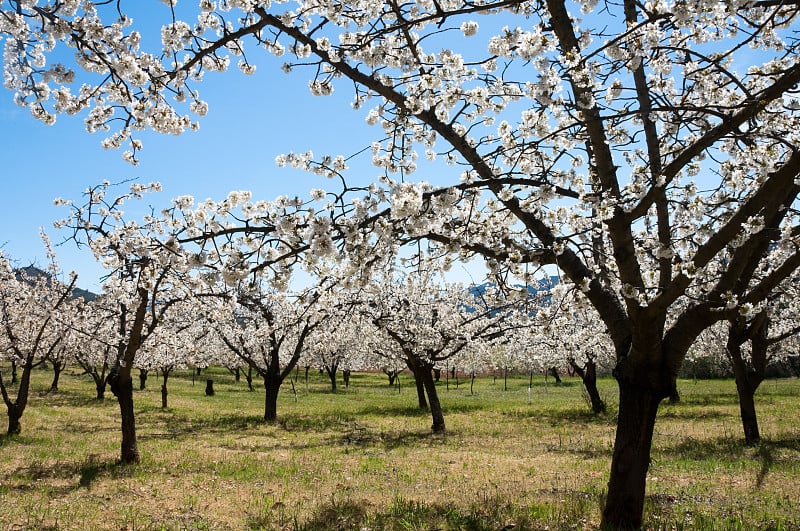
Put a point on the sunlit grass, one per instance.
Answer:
(364, 458)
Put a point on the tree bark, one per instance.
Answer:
(748, 376)
(437, 415)
(638, 406)
(249, 378)
(142, 379)
(17, 408)
(331, 370)
(57, 368)
(272, 385)
(129, 451)
(588, 374)
(164, 391)
(416, 370)
(747, 409)
(100, 386)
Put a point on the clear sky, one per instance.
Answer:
(251, 120)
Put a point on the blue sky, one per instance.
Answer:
(251, 120)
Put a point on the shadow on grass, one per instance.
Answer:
(679, 413)
(709, 399)
(562, 417)
(554, 510)
(71, 399)
(729, 449)
(87, 472)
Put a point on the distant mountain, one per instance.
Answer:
(540, 288)
(32, 271)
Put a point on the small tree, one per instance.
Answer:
(428, 323)
(35, 314)
(143, 284)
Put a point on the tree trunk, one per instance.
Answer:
(129, 452)
(57, 368)
(331, 370)
(417, 371)
(748, 376)
(14, 415)
(631, 458)
(272, 385)
(588, 374)
(433, 400)
(554, 373)
(164, 391)
(17, 408)
(142, 379)
(100, 386)
(346, 378)
(249, 378)
(747, 410)
(13, 372)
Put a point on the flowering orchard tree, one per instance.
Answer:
(172, 343)
(269, 329)
(636, 146)
(35, 314)
(97, 334)
(749, 344)
(427, 323)
(144, 284)
(340, 342)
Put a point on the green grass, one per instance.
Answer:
(364, 458)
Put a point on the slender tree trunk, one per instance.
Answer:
(164, 391)
(748, 376)
(249, 378)
(346, 378)
(142, 379)
(747, 410)
(417, 371)
(57, 368)
(588, 374)
(331, 370)
(17, 408)
(429, 384)
(13, 372)
(631, 458)
(129, 451)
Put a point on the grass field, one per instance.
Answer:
(364, 458)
